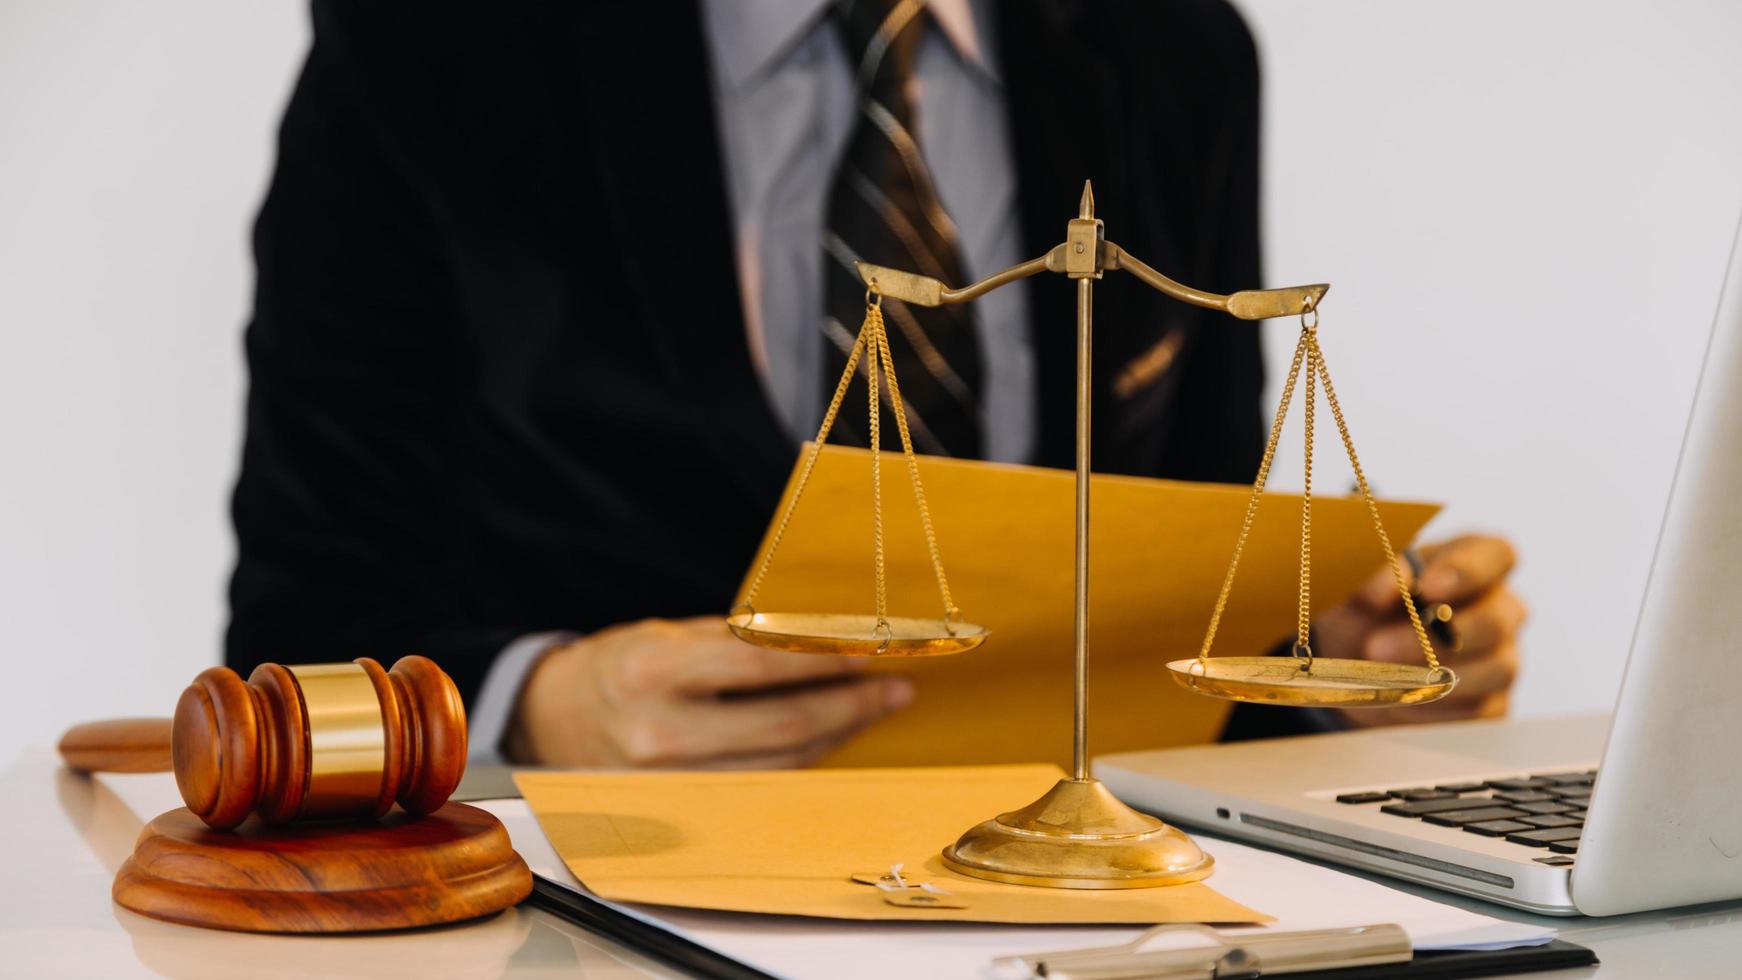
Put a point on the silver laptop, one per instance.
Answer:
(1593, 816)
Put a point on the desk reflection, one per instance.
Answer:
(95, 819)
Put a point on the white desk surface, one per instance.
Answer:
(65, 835)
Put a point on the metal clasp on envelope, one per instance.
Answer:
(1223, 958)
(909, 892)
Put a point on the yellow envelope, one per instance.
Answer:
(1158, 551)
(788, 843)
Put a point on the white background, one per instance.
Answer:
(1525, 208)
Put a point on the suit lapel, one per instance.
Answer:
(649, 97)
(1062, 107)
(1069, 122)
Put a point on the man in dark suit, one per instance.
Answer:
(534, 346)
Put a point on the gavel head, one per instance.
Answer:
(323, 741)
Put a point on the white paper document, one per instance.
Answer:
(1299, 894)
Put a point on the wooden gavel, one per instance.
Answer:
(316, 742)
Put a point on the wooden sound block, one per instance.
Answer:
(394, 873)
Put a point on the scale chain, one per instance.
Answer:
(1304, 617)
(1252, 501)
(951, 613)
(804, 475)
(872, 344)
(1427, 647)
(873, 388)
(1308, 353)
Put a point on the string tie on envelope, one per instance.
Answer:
(899, 890)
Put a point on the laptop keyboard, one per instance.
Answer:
(1544, 811)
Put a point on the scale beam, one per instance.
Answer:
(1247, 304)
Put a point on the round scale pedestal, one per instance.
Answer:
(395, 873)
(1078, 836)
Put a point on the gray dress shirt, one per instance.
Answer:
(783, 94)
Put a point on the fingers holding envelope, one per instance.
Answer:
(1469, 574)
(687, 694)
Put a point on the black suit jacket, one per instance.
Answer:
(499, 377)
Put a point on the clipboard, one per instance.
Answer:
(696, 959)
(1352, 953)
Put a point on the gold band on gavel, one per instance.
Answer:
(347, 743)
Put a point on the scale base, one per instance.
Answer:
(1078, 836)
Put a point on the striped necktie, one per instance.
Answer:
(883, 209)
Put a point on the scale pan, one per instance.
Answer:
(1328, 683)
(855, 635)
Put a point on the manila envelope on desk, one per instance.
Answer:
(1158, 552)
(791, 843)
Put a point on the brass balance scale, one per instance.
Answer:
(1079, 835)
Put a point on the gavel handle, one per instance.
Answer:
(118, 745)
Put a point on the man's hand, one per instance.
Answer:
(688, 694)
(1469, 573)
